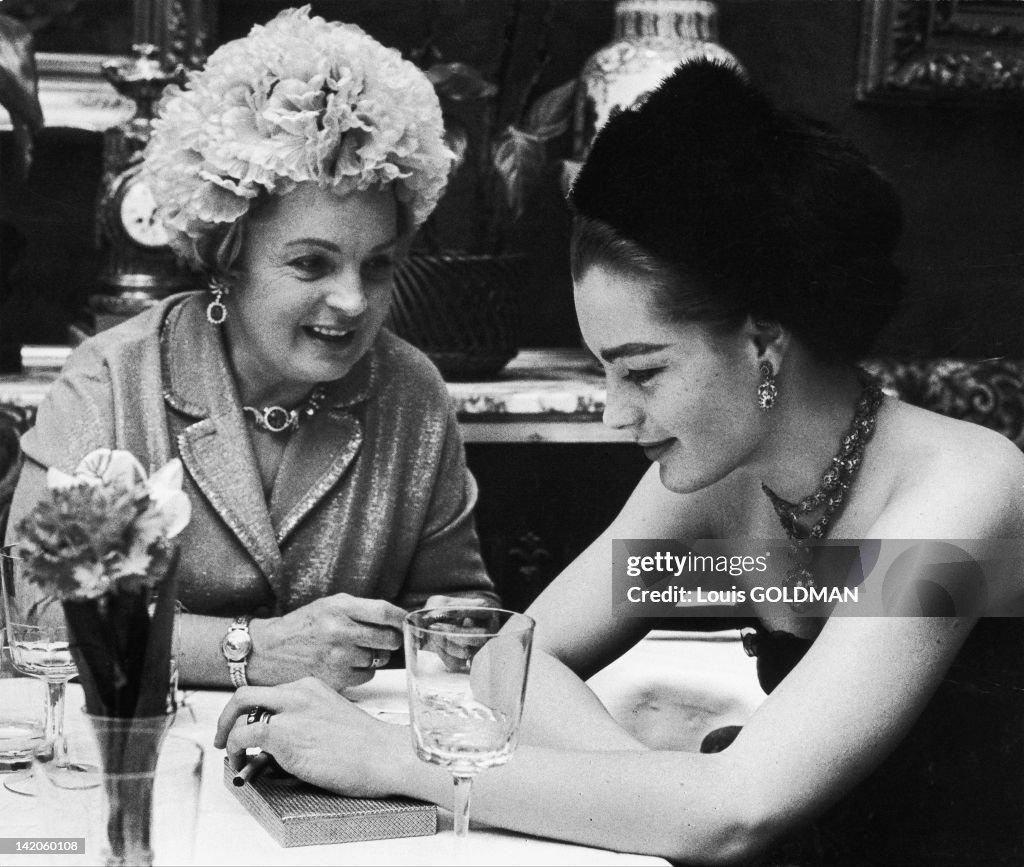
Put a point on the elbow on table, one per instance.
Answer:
(729, 845)
(734, 835)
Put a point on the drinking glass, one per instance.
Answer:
(22, 714)
(165, 798)
(37, 640)
(466, 670)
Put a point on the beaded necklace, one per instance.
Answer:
(829, 497)
(277, 419)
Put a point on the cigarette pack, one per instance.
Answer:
(299, 814)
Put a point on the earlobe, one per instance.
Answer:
(770, 339)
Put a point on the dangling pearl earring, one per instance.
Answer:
(216, 312)
(767, 391)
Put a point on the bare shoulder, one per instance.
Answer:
(962, 477)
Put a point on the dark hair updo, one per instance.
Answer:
(737, 209)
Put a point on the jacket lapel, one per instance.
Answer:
(322, 449)
(215, 448)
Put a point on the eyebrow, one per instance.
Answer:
(334, 248)
(630, 349)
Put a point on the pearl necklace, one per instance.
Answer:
(277, 419)
(830, 495)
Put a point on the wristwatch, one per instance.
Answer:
(236, 647)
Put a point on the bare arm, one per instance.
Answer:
(578, 634)
(829, 724)
(575, 620)
(841, 710)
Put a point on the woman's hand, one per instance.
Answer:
(457, 646)
(315, 734)
(340, 639)
(440, 600)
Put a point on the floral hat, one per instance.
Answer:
(298, 99)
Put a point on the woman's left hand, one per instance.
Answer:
(315, 734)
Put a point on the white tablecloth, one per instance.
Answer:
(228, 835)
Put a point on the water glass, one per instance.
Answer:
(80, 807)
(39, 646)
(466, 670)
(22, 715)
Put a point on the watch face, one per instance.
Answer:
(236, 645)
(138, 216)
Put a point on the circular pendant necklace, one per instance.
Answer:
(277, 419)
(830, 496)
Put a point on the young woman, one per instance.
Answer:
(322, 458)
(731, 263)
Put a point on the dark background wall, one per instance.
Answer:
(960, 169)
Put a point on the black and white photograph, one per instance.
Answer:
(512, 432)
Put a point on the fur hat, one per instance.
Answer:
(777, 215)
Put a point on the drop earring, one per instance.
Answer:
(216, 311)
(767, 392)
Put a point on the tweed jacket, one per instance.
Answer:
(372, 498)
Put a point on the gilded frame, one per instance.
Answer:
(72, 89)
(941, 50)
(74, 93)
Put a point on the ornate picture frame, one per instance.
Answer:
(73, 91)
(942, 50)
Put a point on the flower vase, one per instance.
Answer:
(128, 750)
(652, 37)
(136, 801)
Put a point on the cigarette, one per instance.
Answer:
(251, 771)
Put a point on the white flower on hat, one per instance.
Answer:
(298, 99)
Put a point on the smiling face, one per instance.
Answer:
(316, 272)
(686, 392)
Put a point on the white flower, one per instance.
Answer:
(170, 508)
(104, 528)
(298, 99)
(93, 580)
(168, 498)
(101, 467)
(136, 562)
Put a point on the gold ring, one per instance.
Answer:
(378, 660)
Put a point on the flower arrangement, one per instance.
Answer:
(267, 112)
(100, 543)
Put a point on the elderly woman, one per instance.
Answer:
(324, 464)
(731, 262)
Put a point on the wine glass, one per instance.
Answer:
(466, 670)
(38, 642)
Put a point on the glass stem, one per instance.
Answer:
(56, 690)
(463, 791)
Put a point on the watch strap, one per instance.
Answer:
(237, 667)
(236, 671)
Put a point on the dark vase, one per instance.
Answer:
(461, 310)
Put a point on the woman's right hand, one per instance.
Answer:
(318, 736)
(340, 639)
